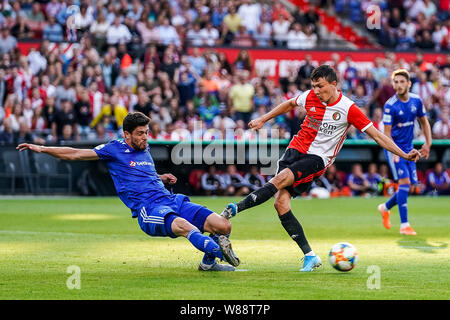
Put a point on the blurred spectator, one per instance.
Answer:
(304, 73)
(242, 37)
(170, 33)
(7, 41)
(423, 88)
(83, 111)
(441, 128)
(438, 181)
(374, 179)
(212, 183)
(254, 178)
(65, 92)
(280, 30)
(21, 30)
(209, 35)
(231, 23)
(194, 35)
(53, 31)
(241, 98)
(242, 62)
(250, 13)
(117, 33)
(63, 117)
(234, 183)
(330, 181)
(112, 113)
(126, 79)
(357, 182)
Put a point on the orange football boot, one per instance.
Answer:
(385, 214)
(409, 231)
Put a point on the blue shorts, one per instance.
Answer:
(155, 218)
(401, 168)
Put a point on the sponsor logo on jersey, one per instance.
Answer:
(140, 163)
(327, 129)
(313, 123)
(405, 124)
(313, 109)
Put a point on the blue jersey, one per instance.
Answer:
(401, 116)
(134, 174)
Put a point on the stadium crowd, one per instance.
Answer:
(121, 56)
(403, 25)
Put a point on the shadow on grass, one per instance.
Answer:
(420, 244)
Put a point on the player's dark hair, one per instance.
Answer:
(134, 120)
(401, 72)
(324, 71)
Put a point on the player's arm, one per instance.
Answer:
(388, 144)
(282, 108)
(425, 150)
(387, 130)
(64, 153)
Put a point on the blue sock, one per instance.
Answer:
(391, 202)
(402, 200)
(210, 258)
(204, 243)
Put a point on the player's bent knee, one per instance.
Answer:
(181, 227)
(221, 226)
(225, 227)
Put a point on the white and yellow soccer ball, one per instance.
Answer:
(343, 256)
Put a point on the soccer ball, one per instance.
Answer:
(343, 256)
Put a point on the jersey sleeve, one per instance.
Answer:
(300, 100)
(421, 109)
(357, 118)
(387, 115)
(106, 151)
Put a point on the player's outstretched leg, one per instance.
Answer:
(281, 180)
(293, 227)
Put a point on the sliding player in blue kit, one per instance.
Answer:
(400, 113)
(141, 189)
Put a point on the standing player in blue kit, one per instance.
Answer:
(400, 113)
(141, 189)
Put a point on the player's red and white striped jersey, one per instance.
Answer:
(325, 126)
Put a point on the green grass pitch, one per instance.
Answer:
(40, 238)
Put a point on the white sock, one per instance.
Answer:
(311, 253)
(404, 225)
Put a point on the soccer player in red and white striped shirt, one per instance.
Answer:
(329, 115)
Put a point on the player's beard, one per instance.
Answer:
(139, 145)
(402, 93)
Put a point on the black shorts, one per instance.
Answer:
(305, 167)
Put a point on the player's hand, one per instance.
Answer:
(29, 146)
(168, 178)
(256, 124)
(425, 151)
(413, 155)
